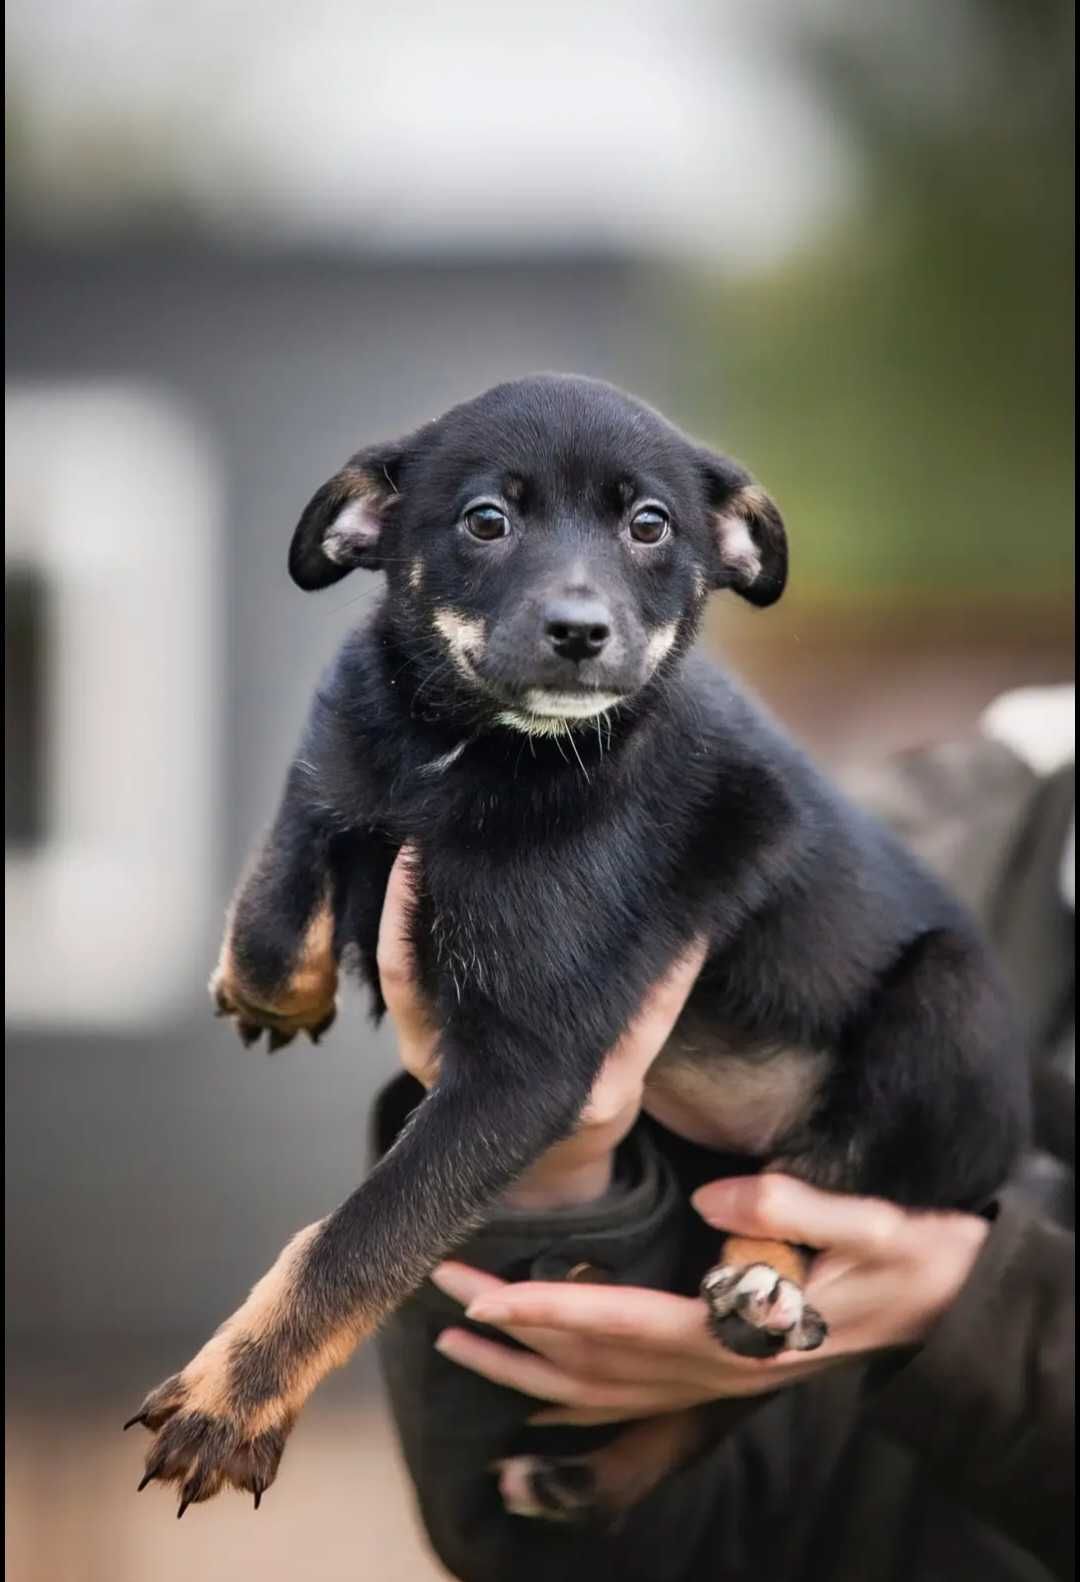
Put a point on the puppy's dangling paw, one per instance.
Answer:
(756, 1312)
(280, 1026)
(555, 1489)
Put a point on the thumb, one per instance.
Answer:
(397, 970)
(776, 1207)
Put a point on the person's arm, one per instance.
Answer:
(972, 1321)
(987, 1404)
(454, 1426)
(603, 1204)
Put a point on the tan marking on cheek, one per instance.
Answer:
(463, 635)
(660, 644)
(416, 575)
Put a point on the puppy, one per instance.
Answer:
(586, 798)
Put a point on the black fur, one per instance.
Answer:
(561, 875)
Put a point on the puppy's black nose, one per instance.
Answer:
(577, 628)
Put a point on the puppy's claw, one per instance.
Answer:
(278, 1040)
(258, 1496)
(249, 1033)
(183, 1507)
(140, 1417)
(315, 1033)
(148, 1477)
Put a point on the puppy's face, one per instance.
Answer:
(548, 546)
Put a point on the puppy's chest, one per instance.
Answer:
(730, 1095)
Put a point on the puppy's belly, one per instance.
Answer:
(730, 1099)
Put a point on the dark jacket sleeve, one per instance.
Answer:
(452, 1424)
(987, 1405)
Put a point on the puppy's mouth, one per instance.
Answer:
(552, 711)
(551, 703)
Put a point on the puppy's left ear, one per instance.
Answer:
(343, 524)
(749, 542)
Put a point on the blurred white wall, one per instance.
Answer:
(658, 127)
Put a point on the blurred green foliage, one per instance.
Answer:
(907, 389)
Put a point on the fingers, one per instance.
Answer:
(544, 1380)
(518, 1370)
(575, 1354)
(650, 1320)
(464, 1284)
(598, 1416)
(778, 1207)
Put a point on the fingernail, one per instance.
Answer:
(453, 1282)
(709, 1203)
(487, 1310)
(446, 1343)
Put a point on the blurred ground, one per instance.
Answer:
(339, 1512)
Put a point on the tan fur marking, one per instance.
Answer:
(752, 499)
(660, 644)
(306, 996)
(463, 636)
(266, 1310)
(788, 1261)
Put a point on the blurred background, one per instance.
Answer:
(834, 238)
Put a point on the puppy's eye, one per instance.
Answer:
(486, 523)
(649, 525)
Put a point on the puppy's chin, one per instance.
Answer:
(546, 712)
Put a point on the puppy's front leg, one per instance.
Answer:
(224, 1419)
(278, 971)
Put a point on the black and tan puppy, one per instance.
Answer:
(585, 799)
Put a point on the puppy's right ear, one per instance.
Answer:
(343, 525)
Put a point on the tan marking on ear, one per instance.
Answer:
(463, 635)
(416, 574)
(789, 1262)
(753, 500)
(357, 524)
(736, 540)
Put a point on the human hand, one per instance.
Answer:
(883, 1278)
(577, 1170)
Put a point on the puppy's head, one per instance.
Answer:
(549, 545)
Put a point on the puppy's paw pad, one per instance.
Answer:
(553, 1489)
(756, 1312)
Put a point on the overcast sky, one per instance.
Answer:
(664, 125)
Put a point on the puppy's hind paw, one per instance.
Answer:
(553, 1489)
(755, 1312)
